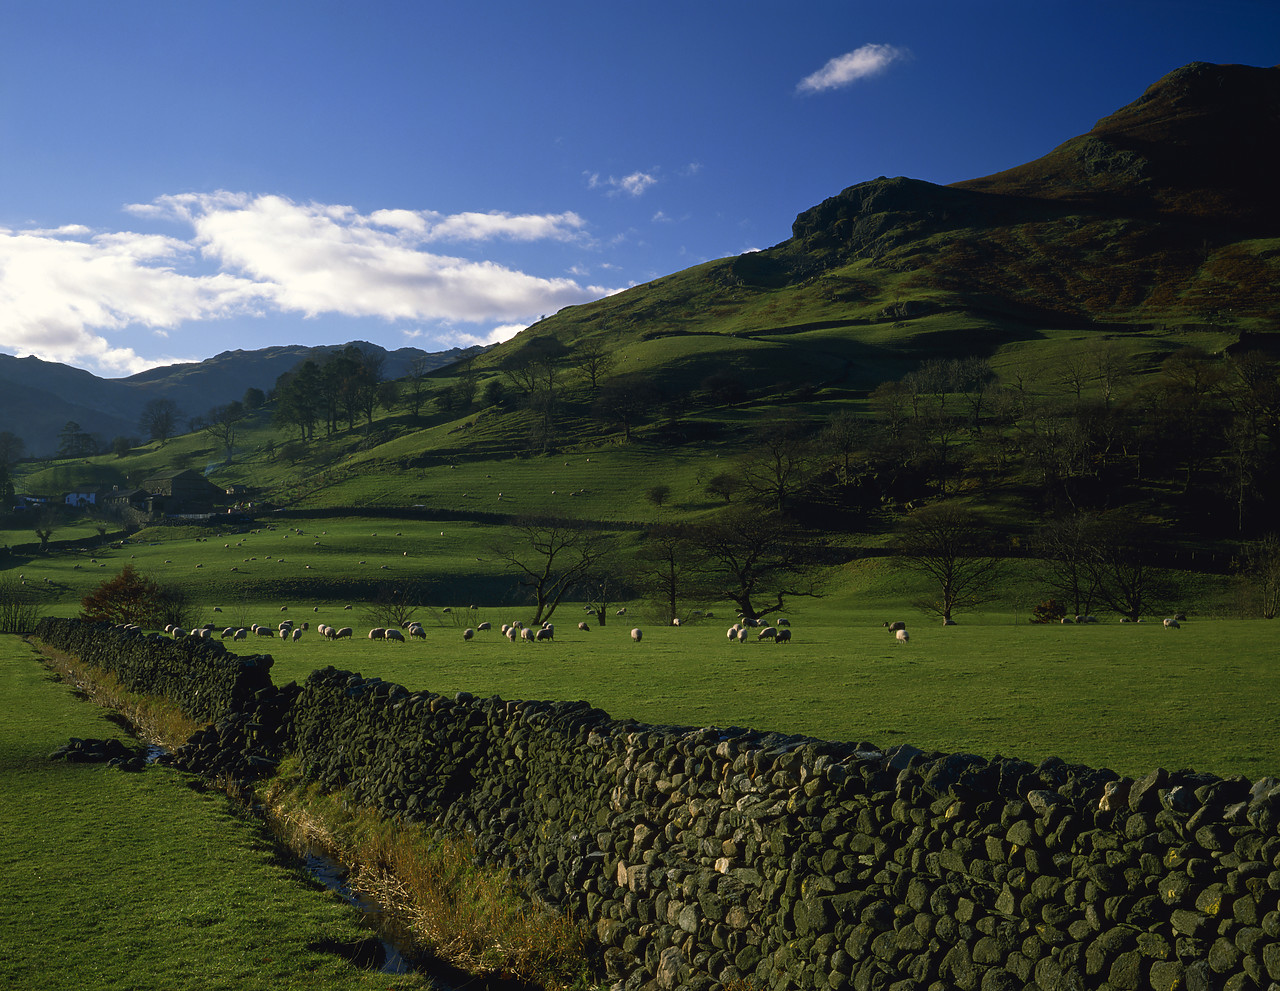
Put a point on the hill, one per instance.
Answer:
(38, 397)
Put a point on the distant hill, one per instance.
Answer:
(37, 397)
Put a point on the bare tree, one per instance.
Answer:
(664, 563)
(550, 558)
(1262, 573)
(416, 391)
(779, 463)
(222, 423)
(952, 546)
(159, 419)
(1066, 546)
(755, 559)
(593, 358)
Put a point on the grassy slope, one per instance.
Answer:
(113, 880)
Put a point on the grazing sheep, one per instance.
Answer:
(284, 633)
(902, 635)
(418, 631)
(526, 634)
(511, 633)
(228, 632)
(584, 627)
(894, 627)
(675, 621)
(768, 633)
(265, 631)
(346, 607)
(1066, 621)
(621, 612)
(241, 634)
(297, 635)
(784, 636)
(782, 621)
(468, 633)
(636, 634)
(546, 633)
(485, 626)
(346, 631)
(1172, 624)
(284, 608)
(742, 635)
(377, 633)
(393, 635)
(217, 608)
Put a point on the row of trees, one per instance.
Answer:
(348, 385)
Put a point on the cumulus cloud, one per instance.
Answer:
(869, 60)
(59, 290)
(62, 291)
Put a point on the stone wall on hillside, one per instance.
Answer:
(706, 856)
(203, 678)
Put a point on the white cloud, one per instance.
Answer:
(57, 293)
(63, 291)
(634, 184)
(869, 60)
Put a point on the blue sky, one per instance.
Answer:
(183, 178)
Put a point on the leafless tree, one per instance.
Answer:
(550, 558)
(952, 546)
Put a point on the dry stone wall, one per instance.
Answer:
(704, 857)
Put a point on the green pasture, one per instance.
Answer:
(112, 880)
(1127, 696)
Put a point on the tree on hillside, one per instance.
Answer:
(625, 401)
(593, 357)
(550, 558)
(73, 442)
(254, 399)
(952, 546)
(12, 448)
(1261, 573)
(779, 462)
(299, 402)
(417, 390)
(222, 423)
(1121, 562)
(159, 419)
(1065, 546)
(723, 485)
(756, 559)
(122, 445)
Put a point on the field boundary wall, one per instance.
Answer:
(706, 856)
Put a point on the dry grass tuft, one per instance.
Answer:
(473, 917)
(153, 719)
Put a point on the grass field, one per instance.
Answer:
(111, 880)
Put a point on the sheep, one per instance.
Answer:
(636, 634)
(768, 633)
(418, 631)
(297, 635)
(584, 627)
(675, 621)
(1172, 624)
(782, 621)
(621, 612)
(284, 608)
(217, 608)
(784, 636)
(346, 608)
(511, 633)
(742, 635)
(265, 631)
(241, 634)
(393, 635)
(468, 633)
(228, 632)
(1066, 621)
(732, 632)
(377, 633)
(902, 635)
(894, 627)
(546, 633)
(526, 634)
(345, 632)
(485, 626)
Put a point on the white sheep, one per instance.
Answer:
(546, 633)
(485, 626)
(393, 635)
(742, 635)
(768, 633)
(417, 631)
(1172, 624)
(346, 631)
(377, 633)
(782, 621)
(675, 621)
(468, 633)
(584, 627)
(526, 634)
(636, 634)
(297, 635)
(902, 635)
(732, 632)
(241, 634)
(621, 612)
